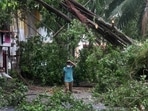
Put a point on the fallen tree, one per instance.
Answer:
(108, 31)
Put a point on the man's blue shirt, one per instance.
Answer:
(68, 74)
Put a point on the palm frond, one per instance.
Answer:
(112, 6)
(96, 6)
(126, 10)
(129, 11)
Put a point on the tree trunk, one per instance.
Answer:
(108, 31)
(18, 70)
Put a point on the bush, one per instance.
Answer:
(45, 62)
(11, 92)
(116, 85)
(131, 95)
(112, 70)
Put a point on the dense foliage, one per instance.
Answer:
(113, 70)
(132, 95)
(117, 85)
(11, 92)
(44, 64)
(46, 60)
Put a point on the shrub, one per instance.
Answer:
(11, 92)
(130, 95)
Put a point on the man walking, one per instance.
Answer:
(68, 75)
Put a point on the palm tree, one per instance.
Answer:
(96, 6)
(127, 10)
